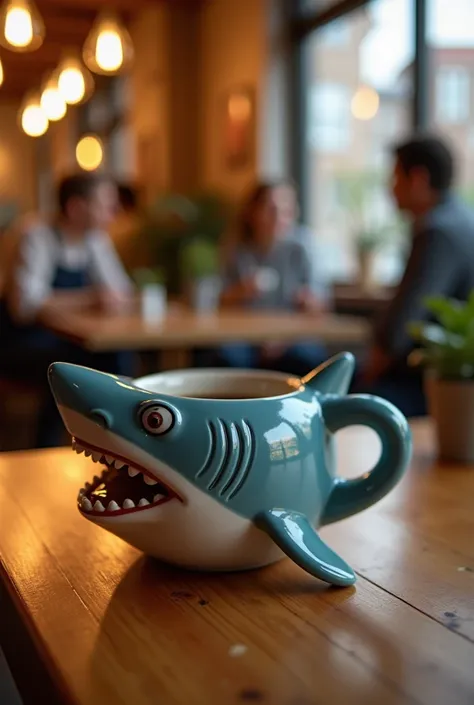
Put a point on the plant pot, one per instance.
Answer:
(451, 405)
(366, 264)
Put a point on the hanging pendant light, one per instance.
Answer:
(21, 26)
(52, 101)
(108, 49)
(75, 82)
(89, 152)
(32, 117)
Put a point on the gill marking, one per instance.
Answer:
(212, 450)
(231, 455)
(227, 436)
(240, 448)
(247, 461)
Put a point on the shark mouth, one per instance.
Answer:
(121, 488)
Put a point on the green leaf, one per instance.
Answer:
(448, 346)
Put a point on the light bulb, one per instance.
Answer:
(33, 118)
(53, 102)
(75, 82)
(108, 49)
(89, 153)
(18, 27)
(71, 85)
(22, 28)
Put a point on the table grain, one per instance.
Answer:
(86, 619)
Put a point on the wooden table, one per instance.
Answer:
(182, 330)
(92, 622)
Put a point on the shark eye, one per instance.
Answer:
(157, 419)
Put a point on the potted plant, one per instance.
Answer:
(367, 244)
(150, 283)
(200, 272)
(447, 353)
(173, 223)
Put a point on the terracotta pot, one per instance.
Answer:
(451, 405)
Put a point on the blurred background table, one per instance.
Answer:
(352, 299)
(181, 330)
(86, 619)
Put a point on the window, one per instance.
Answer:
(452, 94)
(358, 103)
(329, 123)
(450, 36)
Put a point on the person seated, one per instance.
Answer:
(270, 268)
(441, 263)
(65, 266)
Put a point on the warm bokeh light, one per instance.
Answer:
(75, 82)
(89, 153)
(109, 51)
(18, 27)
(365, 103)
(53, 102)
(22, 25)
(239, 108)
(1, 72)
(108, 48)
(71, 85)
(33, 118)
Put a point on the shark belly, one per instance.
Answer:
(223, 541)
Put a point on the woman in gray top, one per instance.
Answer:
(271, 267)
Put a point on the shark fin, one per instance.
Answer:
(333, 376)
(293, 533)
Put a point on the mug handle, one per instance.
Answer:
(351, 496)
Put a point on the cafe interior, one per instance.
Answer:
(205, 198)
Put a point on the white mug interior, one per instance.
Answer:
(221, 383)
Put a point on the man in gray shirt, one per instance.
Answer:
(441, 262)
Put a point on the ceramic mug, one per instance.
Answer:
(227, 469)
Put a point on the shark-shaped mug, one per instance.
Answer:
(232, 483)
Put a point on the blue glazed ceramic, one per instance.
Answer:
(227, 483)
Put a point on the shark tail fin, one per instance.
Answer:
(334, 376)
(293, 533)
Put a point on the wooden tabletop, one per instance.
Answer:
(182, 328)
(98, 624)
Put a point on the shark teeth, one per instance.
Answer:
(111, 462)
(88, 500)
(98, 508)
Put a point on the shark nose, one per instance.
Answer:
(72, 385)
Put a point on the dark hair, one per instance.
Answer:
(256, 195)
(430, 153)
(127, 197)
(78, 186)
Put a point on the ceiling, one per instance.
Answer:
(67, 23)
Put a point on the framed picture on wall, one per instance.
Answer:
(239, 127)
